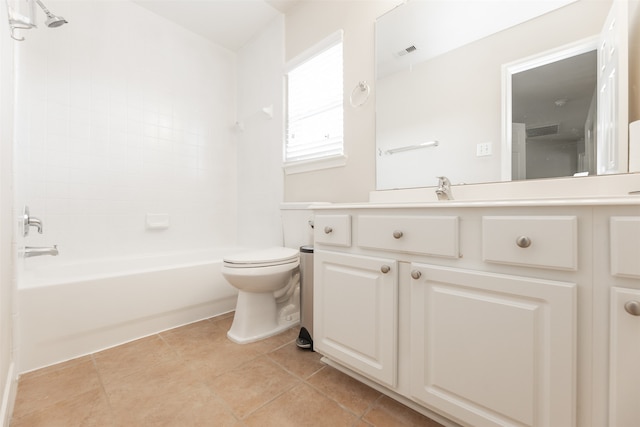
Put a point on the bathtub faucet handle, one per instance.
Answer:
(30, 221)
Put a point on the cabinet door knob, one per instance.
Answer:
(523, 241)
(385, 269)
(328, 230)
(416, 274)
(633, 308)
(397, 234)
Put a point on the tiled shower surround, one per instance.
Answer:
(122, 113)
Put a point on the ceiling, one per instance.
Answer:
(228, 23)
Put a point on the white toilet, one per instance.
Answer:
(268, 281)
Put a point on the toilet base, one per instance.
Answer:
(257, 317)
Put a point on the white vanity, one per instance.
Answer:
(509, 313)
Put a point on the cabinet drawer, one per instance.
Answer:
(429, 235)
(540, 241)
(625, 246)
(332, 230)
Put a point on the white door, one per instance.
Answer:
(613, 89)
(355, 313)
(491, 349)
(518, 151)
(624, 384)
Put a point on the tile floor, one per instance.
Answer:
(194, 376)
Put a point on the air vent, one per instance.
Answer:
(542, 131)
(410, 49)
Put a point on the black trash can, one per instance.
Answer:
(305, 339)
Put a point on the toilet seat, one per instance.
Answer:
(262, 258)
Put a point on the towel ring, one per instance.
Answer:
(362, 86)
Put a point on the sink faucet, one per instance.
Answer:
(30, 251)
(444, 189)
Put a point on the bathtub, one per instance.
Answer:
(67, 311)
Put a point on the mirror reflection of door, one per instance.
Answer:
(518, 151)
(574, 104)
(556, 102)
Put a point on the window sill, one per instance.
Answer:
(315, 164)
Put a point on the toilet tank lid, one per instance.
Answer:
(275, 254)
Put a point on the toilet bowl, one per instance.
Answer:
(268, 296)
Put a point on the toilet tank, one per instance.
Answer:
(295, 223)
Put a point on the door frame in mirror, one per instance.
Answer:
(508, 70)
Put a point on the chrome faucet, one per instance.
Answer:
(30, 251)
(444, 189)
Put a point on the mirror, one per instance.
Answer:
(452, 78)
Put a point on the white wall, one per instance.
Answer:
(7, 284)
(259, 140)
(123, 113)
(306, 24)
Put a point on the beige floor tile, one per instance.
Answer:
(300, 362)
(195, 376)
(352, 394)
(119, 362)
(214, 358)
(160, 394)
(387, 412)
(273, 343)
(301, 406)
(39, 390)
(57, 367)
(224, 322)
(250, 386)
(198, 332)
(88, 409)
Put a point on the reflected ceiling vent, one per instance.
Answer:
(543, 131)
(410, 49)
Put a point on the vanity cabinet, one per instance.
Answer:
(356, 312)
(485, 315)
(624, 320)
(625, 357)
(493, 349)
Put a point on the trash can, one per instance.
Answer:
(306, 298)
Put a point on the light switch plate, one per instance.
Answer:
(483, 149)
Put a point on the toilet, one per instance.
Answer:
(268, 280)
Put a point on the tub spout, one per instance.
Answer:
(444, 189)
(30, 251)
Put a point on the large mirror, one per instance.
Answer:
(497, 90)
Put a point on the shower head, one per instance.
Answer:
(53, 21)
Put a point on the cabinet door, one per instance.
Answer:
(491, 349)
(625, 358)
(355, 312)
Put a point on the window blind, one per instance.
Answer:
(315, 107)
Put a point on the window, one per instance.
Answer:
(314, 137)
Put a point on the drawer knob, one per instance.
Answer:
(416, 274)
(328, 230)
(385, 269)
(397, 234)
(633, 308)
(523, 241)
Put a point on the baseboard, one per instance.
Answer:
(8, 396)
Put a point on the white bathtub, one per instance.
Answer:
(72, 310)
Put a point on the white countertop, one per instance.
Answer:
(631, 200)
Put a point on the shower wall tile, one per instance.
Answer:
(117, 122)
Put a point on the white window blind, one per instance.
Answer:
(314, 106)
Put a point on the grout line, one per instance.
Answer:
(103, 388)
